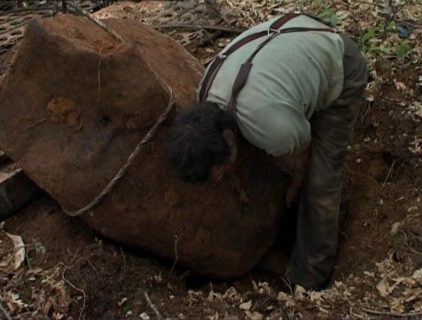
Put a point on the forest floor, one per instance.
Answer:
(70, 272)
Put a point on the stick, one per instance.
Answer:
(197, 26)
(392, 314)
(91, 265)
(99, 74)
(212, 9)
(288, 284)
(6, 314)
(389, 173)
(124, 259)
(176, 257)
(32, 125)
(152, 306)
(77, 289)
(28, 9)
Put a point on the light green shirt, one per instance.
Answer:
(292, 76)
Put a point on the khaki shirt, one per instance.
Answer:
(292, 76)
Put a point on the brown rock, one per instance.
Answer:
(74, 105)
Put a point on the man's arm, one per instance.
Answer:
(296, 165)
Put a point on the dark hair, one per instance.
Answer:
(196, 142)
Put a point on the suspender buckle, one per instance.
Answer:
(271, 32)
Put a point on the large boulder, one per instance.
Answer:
(74, 105)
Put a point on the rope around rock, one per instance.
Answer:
(119, 175)
(98, 22)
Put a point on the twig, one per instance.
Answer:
(184, 275)
(28, 9)
(119, 175)
(392, 314)
(213, 10)
(76, 288)
(197, 26)
(389, 172)
(354, 314)
(355, 19)
(98, 22)
(124, 259)
(365, 113)
(32, 125)
(176, 257)
(365, 2)
(91, 265)
(152, 306)
(415, 236)
(99, 74)
(406, 238)
(413, 250)
(288, 284)
(27, 260)
(6, 314)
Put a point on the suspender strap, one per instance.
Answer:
(274, 27)
(246, 67)
(219, 59)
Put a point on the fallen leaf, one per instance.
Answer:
(400, 85)
(14, 255)
(144, 316)
(300, 293)
(246, 305)
(417, 275)
(383, 288)
(254, 315)
(213, 296)
(315, 296)
(282, 296)
(231, 294)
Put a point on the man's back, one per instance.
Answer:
(292, 76)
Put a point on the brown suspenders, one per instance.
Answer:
(242, 76)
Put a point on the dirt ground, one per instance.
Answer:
(72, 273)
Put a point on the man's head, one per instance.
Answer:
(202, 143)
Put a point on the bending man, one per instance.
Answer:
(290, 86)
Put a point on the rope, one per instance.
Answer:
(119, 175)
(98, 22)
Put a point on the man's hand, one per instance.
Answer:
(296, 165)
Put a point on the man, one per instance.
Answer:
(290, 86)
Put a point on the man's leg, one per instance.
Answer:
(315, 249)
(317, 221)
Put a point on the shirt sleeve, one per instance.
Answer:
(276, 128)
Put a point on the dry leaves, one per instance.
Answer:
(12, 252)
